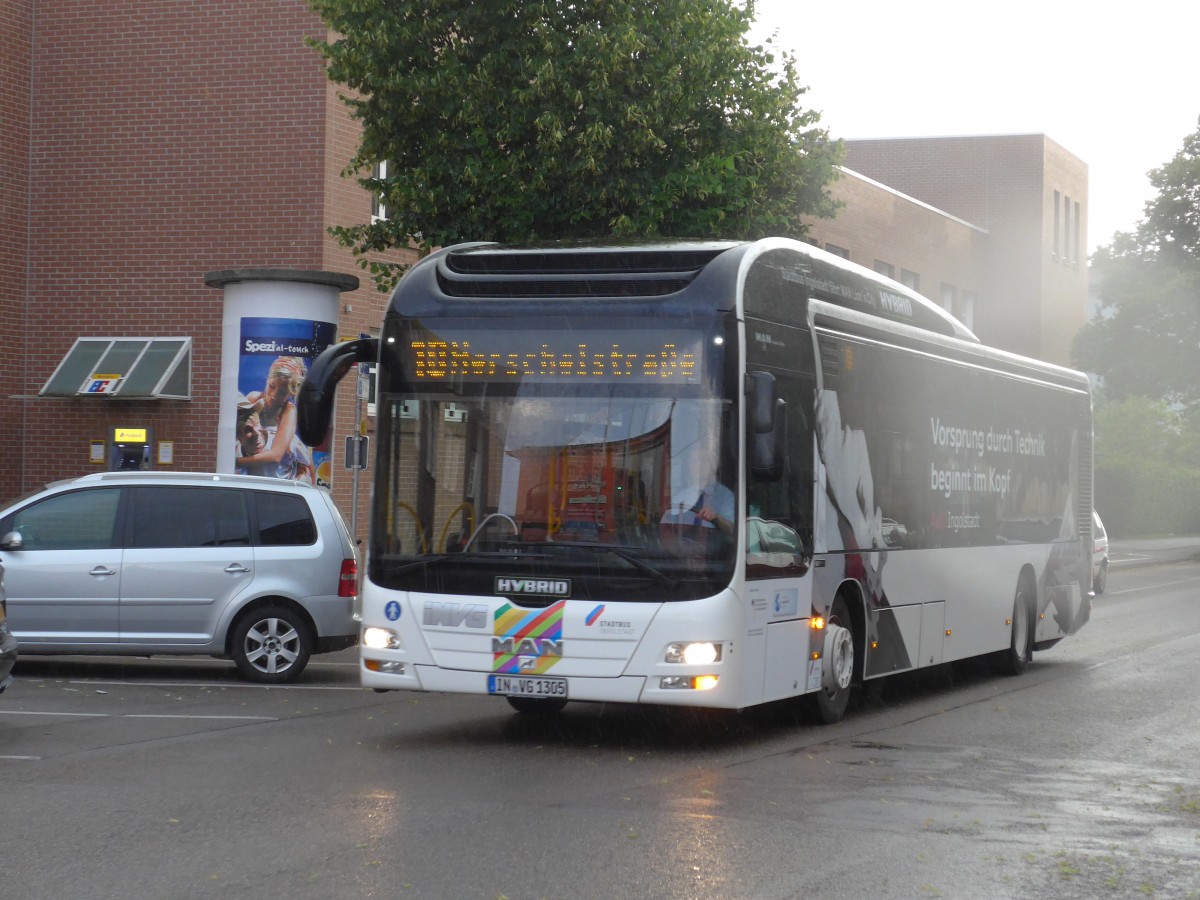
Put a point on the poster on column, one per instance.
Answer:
(274, 358)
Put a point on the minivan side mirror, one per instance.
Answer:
(12, 541)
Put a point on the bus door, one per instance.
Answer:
(779, 534)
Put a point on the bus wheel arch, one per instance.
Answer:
(1015, 660)
(841, 657)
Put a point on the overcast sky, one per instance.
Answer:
(1115, 83)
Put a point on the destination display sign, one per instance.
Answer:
(561, 355)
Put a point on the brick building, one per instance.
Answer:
(147, 146)
(993, 227)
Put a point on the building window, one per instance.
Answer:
(949, 297)
(1077, 238)
(1054, 247)
(964, 308)
(379, 211)
(886, 269)
(1066, 242)
(837, 251)
(910, 279)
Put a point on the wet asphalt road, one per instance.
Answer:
(172, 778)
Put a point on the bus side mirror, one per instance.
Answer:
(314, 405)
(766, 427)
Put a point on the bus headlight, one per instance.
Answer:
(699, 653)
(380, 639)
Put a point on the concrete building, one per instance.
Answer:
(169, 172)
(992, 227)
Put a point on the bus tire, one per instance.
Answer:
(532, 706)
(837, 665)
(1015, 660)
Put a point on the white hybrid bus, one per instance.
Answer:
(709, 474)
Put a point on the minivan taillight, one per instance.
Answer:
(348, 579)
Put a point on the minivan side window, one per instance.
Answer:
(79, 520)
(166, 516)
(283, 519)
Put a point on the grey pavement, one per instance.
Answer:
(1128, 552)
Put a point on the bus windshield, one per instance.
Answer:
(602, 487)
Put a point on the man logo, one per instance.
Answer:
(537, 587)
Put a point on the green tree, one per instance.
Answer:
(1135, 431)
(518, 120)
(1146, 339)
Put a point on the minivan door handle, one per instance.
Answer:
(236, 568)
(101, 570)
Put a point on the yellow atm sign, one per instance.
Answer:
(129, 435)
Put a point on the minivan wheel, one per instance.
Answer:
(271, 645)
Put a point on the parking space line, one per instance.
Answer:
(224, 684)
(21, 757)
(28, 712)
(181, 716)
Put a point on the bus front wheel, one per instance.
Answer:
(837, 666)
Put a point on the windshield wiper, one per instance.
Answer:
(421, 563)
(657, 573)
(544, 552)
(426, 561)
(635, 561)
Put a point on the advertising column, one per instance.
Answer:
(275, 323)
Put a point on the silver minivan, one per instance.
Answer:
(258, 570)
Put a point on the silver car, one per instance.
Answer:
(1099, 555)
(8, 642)
(257, 570)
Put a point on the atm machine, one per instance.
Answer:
(129, 449)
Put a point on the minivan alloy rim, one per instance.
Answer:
(272, 645)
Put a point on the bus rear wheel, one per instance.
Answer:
(531, 706)
(837, 667)
(1015, 660)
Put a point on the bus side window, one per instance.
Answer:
(788, 501)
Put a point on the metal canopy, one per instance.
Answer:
(128, 367)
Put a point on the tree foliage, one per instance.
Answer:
(1147, 473)
(518, 120)
(1146, 339)
(1137, 431)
